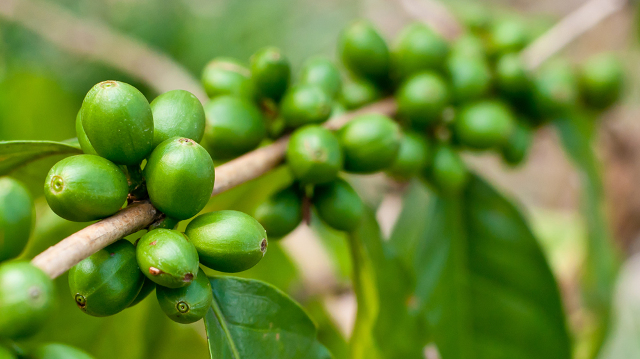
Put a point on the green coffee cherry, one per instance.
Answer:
(17, 215)
(26, 299)
(485, 124)
(187, 304)
(225, 76)
(468, 45)
(508, 35)
(234, 127)
(314, 155)
(470, 78)
(168, 258)
(324, 73)
(357, 93)
(58, 351)
(476, 17)
(370, 143)
(177, 113)
(515, 150)
(147, 287)
(601, 81)
(83, 140)
(117, 120)
(180, 176)
(448, 172)
(305, 104)
(555, 89)
(422, 98)
(7, 354)
(364, 52)
(414, 156)
(418, 48)
(85, 188)
(512, 78)
(228, 241)
(281, 213)
(108, 281)
(338, 205)
(270, 72)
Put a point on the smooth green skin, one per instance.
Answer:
(108, 281)
(85, 188)
(422, 98)
(270, 72)
(314, 155)
(512, 77)
(147, 287)
(234, 127)
(414, 156)
(448, 171)
(508, 35)
(26, 299)
(468, 45)
(370, 143)
(281, 213)
(516, 149)
(470, 78)
(305, 104)
(364, 52)
(483, 125)
(338, 205)
(58, 351)
(228, 241)
(187, 304)
(418, 48)
(357, 93)
(83, 140)
(177, 113)
(324, 73)
(180, 177)
(7, 354)
(555, 89)
(117, 120)
(225, 76)
(17, 215)
(601, 81)
(168, 258)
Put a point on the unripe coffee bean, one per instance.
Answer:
(323, 73)
(228, 241)
(484, 124)
(177, 113)
(180, 177)
(281, 213)
(85, 188)
(370, 143)
(422, 98)
(338, 205)
(305, 104)
(17, 215)
(364, 52)
(270, 72)
(234, 127)
(418, 48)
(83, 140)
(168, 258)
(601, 81)
(225, 76)
(26, 299)
(414, 156)
(448, 172)
(187, 304)
(108, 281)
(117, 120)
(314, 155)
(357, 93)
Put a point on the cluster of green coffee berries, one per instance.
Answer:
(134, 149)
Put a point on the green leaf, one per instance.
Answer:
(252, 319)
(484, 283)
(16, 154)
(577, 133)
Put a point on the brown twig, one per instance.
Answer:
(71, 250)
(101, 44)
(568, 29)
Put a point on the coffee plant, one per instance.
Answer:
(461, 269)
